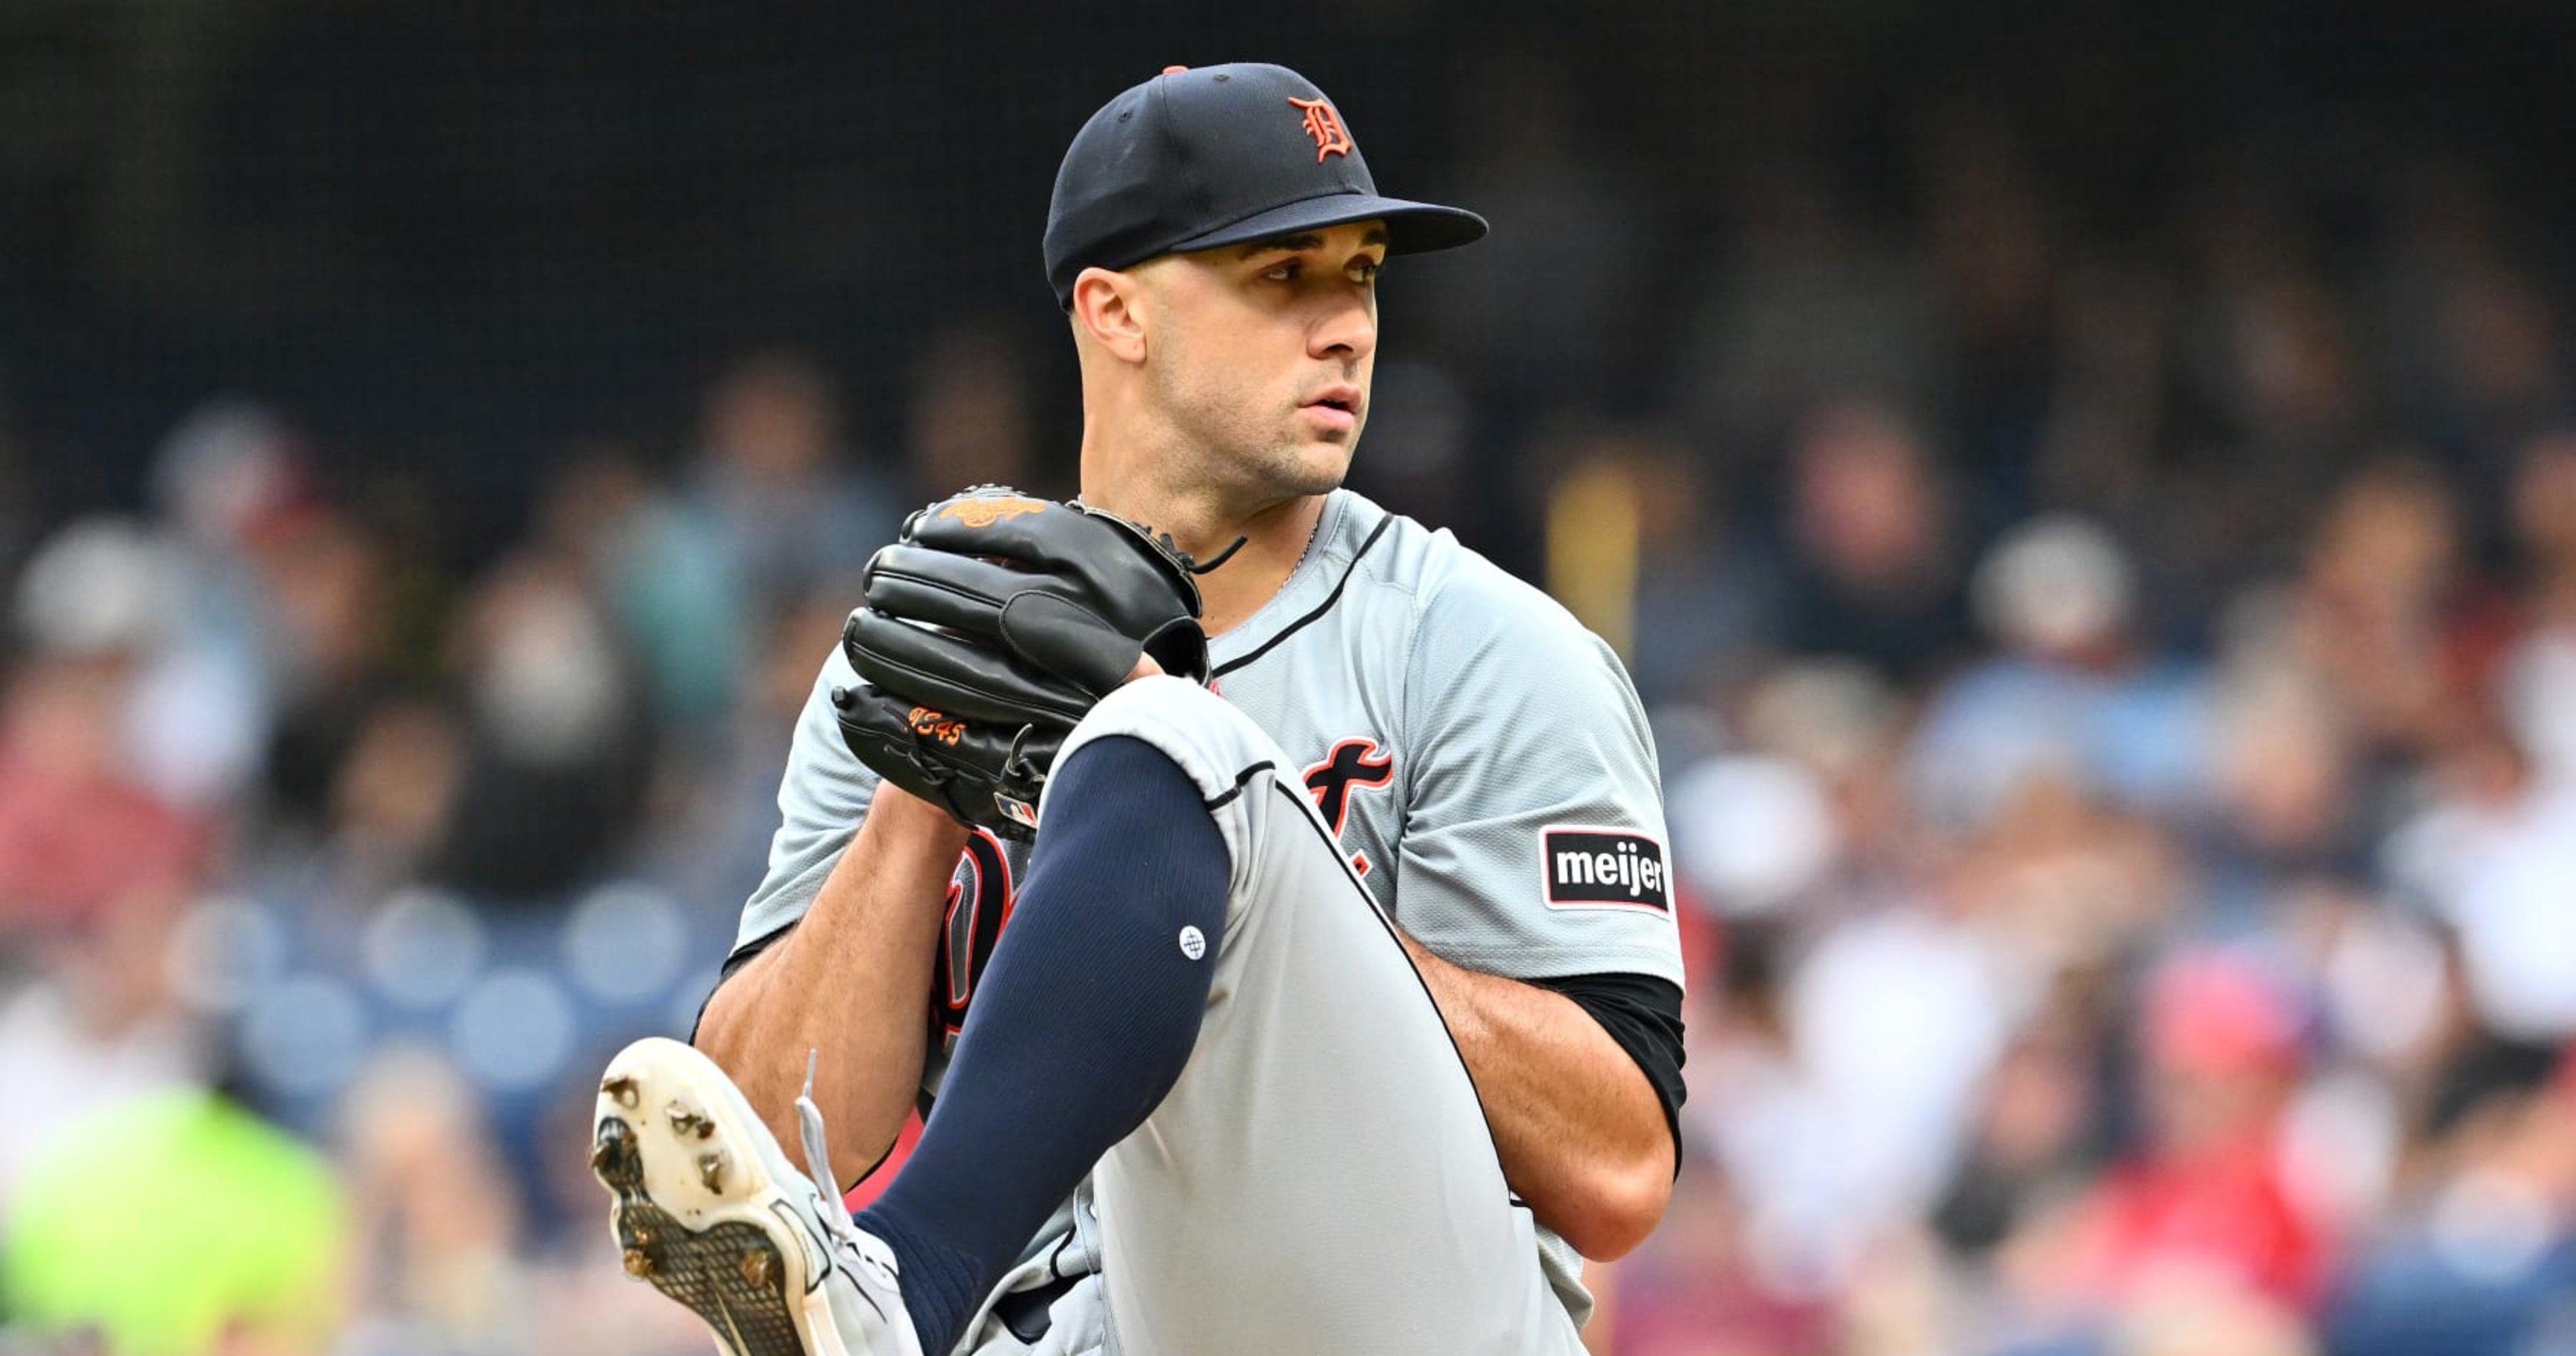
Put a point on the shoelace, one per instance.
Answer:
(842, 1228)
(818, 1163)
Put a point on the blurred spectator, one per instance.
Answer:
(729, 809)
(2483, 1260)
(78, 838)
(558, 746)
(390, 798)
(1701, 1296)
(2028, 1147)
(1894, 1019)
(434, 1212)
(2538, 674)
(2387, 613)
(787, 502)
(1873, 558)
(2207, 1194)
(2074, 695)
(1702, 605)
(666, 576)
(230, 483)
(969, 423)
(2283, 784)
(2474, 348)
(2188, 1318)
(101, 1022)
(326, 583)
(1754, 834)
(180, 1225)
(2492, 855)
(1845, 726)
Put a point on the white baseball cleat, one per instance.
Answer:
(711, 1211)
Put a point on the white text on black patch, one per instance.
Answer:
(1603, 868)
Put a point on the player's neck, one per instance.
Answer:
(1121, 458)
(1274, 537)
(1274, 541)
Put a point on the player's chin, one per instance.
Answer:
(1314, 465)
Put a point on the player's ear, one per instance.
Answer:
(1108, 306)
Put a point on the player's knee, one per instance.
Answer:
(1195, 727)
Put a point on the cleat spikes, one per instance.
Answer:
(687, 1123)
(621, 1088)
(612, 1151)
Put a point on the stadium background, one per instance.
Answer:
(2090, 498)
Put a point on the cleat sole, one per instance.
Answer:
(716, 1240)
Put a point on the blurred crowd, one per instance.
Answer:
(2116, 694)
(2116, 710)
(292, 822)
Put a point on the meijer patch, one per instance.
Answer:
(1604, 868)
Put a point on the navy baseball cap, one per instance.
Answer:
(1220, 155)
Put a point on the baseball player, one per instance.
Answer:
(1335, 1004)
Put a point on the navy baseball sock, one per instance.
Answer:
(1083, 1022)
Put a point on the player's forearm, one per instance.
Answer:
(851, 980)
(1580, 1133)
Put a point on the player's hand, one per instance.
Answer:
(990, 629)
(983, 774)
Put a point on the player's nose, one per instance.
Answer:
(1347, 331)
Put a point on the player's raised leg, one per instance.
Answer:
(1196, 1000)
(1320, 1177)
(1195, 997)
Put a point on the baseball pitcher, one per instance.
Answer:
(1266, 895)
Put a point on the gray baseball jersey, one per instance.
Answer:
(1480, 756)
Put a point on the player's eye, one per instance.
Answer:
(1365, 271)
(1287, 270)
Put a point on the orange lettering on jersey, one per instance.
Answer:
(985, 511)
(1325, 126)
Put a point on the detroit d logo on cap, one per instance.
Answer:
(1325, 126)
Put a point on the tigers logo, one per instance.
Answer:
(984, 511)
(1325, 126)
(931, 724)
(1351, 765)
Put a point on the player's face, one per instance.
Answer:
(1264, 359)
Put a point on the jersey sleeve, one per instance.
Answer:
(821, 799)
(1533, 838)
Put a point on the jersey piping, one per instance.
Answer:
(1299, 806)
(1320, 609)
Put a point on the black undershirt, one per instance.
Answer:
(1643, 1014)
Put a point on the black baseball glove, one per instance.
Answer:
(993, 626)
